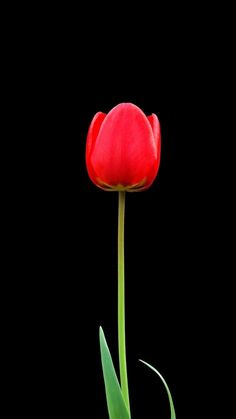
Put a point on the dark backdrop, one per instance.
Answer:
(69, 248)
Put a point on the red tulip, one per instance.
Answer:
(123, 149)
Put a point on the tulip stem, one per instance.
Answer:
(121, 301)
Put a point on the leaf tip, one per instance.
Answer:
(101, 334)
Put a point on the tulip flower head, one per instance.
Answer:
(123, 149)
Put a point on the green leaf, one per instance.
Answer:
(115, 401)
(172, 409)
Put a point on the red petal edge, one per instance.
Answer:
(91, 140)
(155, 124)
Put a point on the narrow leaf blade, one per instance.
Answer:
(115, 401)
(172, 409)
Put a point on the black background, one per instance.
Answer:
(69, 227)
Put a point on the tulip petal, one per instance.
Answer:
(155, 124)
(91, 140)
(156, 129)
(94, 130)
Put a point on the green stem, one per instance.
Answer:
(121, 301)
